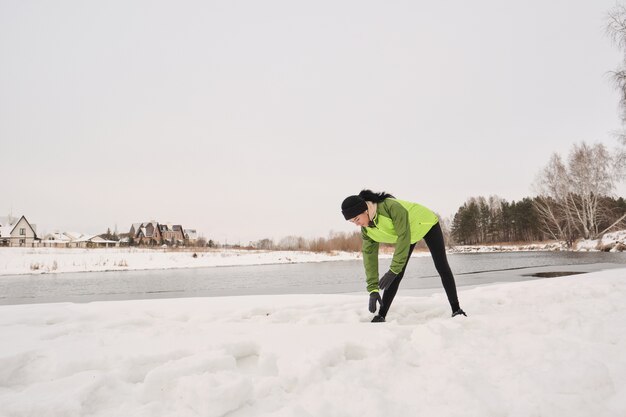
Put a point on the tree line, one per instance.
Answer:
(494, 220)
(574, 200)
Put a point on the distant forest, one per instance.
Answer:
(493, 220)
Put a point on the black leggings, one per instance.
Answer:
(434, 241)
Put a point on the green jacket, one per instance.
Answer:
(399, 222)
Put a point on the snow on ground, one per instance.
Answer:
(15, 261)
(536, 348)
(613, 242)
(549, 246)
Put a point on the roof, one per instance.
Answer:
(94, 238)
(57, 237)
(170, 227)
(191, 234)
(8, 224)
(5, 231)
(74, 235)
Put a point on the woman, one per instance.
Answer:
(383, 219)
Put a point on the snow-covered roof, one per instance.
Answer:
(57, 236)
(7, 224)
(74, 235)
(191, 234)
(94, 239)
(5, 231)
(169, 227)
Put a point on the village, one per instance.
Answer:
(19, 232)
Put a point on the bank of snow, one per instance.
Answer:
(536, 348)
(16, 261)
(609, 242)
(548, 246)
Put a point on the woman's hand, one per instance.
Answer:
(386, 280)
(375, 297)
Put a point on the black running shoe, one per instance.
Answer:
(378, 319)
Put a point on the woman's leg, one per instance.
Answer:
(435, 243)
(390, 292)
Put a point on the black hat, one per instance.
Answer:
(353, 206)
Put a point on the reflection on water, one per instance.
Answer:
(325, 277)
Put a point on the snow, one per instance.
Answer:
(17, 261)
(536, 348)
(5, 231)
(613, 242)
(549, 246)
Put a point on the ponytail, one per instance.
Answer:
(369, 195)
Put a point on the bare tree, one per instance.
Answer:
(569, 201)
(616, 30)
(264, 244)
(292, 243)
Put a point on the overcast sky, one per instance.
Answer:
(253, 119)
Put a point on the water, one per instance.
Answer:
(325, 277)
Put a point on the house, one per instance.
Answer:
(172, 234)
(154, 233)
(191, 235)
(94, 242)
(76, 240)
(134, 229)
(146, 233)
(17, 233)
(56, 240)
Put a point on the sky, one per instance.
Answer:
(248, 120)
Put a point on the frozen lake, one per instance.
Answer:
(304, 278)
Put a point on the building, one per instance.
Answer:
(191, 236)
(172, 234)
(154, 233)
(57, 240)
(17, 233)
(93, 242)
(76, 240)
(146, 233)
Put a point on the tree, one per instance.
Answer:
(616, 29)
(292, 243)
(109, 236)
(466, 223)
(264, 244)
(569, 196)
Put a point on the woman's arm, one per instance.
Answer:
(370, 260)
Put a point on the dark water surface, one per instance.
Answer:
(325, 278)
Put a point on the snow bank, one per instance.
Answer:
(551, 246)
(16, 261)
(610, 242)
(536, 348)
